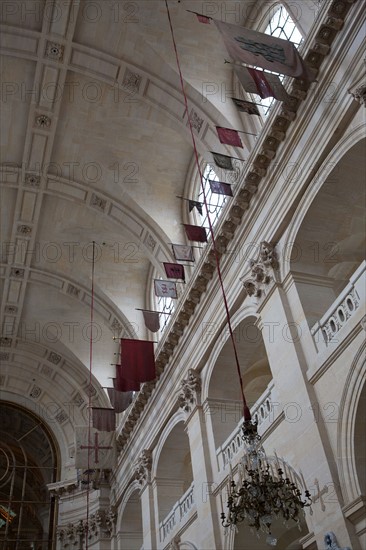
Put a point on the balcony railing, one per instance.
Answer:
(343, 308)
(264, 411)
(179, 511)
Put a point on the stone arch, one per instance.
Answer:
(351, 449)
(325, 243)
(53, 387)
(130, 527)
(333, 158)
(221, 391)
(172, 470)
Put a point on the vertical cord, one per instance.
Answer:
(90, 395)
(246, 412)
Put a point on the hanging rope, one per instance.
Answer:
(246, 412)
(90, 395)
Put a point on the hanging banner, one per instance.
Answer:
(165, 289)
(94, 449)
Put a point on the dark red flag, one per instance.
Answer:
(229, 136)
(196, 233)
(174, 271)
(220, 188)
(123, 384)
(137, 360)
(104, 420)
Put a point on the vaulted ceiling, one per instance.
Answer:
(95, 146)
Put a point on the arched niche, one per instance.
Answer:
(330, 241)
(130, 533)
(224, 396)
(174, 470)
(29, 460)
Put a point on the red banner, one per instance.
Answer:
(104, 420)
(137, 360)
(174, 271)
(229, 136)
(196, 233)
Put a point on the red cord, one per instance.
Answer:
(246, 412)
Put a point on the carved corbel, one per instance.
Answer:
(262, 270)
(143, 468)
(190, 392)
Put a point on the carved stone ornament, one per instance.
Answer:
(196, 121)
(32, 180)
(359, 95)
(174, 543)
(143, 467)
(42, 121)
(330, 541)
(100, 524)
(190, 392)
(262, 270)
(62, 488)
(131, 80)
(54, 51)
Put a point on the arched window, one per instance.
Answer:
(282, 26)
(215, 202)
(28, 462)
(166, 305)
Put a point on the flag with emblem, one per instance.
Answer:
(174, 271)
(165, 289)
(94, 449)
(263, 50)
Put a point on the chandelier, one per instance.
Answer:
(263, 493)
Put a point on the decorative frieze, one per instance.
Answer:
(143, 467)
(190, 392)
(101, 524)
(262, 270)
